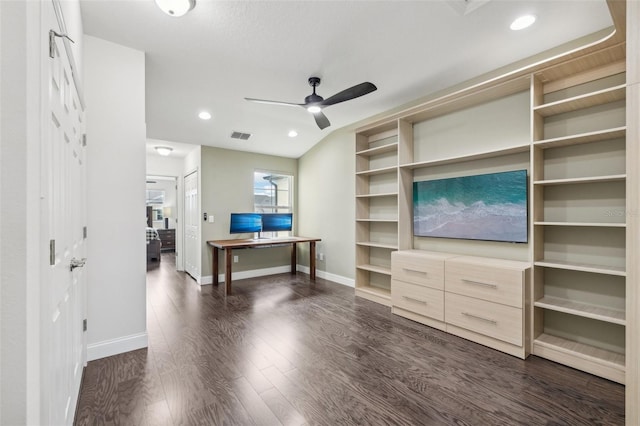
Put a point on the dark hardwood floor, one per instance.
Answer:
(284, 350)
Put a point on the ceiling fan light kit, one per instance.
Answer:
(315, 103)
(176, 8)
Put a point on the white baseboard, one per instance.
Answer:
(349, 282)
(117, 346)
(208, 279)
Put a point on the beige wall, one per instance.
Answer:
(226, 178)
(326, 207)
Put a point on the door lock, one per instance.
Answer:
(77, 263)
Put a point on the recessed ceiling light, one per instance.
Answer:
(314, 109)
(204, 115)
(164, 150)
(522, 22)
(293, 133)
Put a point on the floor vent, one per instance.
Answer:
(240, 135)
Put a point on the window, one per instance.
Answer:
(155, 196)
(273, 193)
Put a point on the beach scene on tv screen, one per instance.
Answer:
(490, 207)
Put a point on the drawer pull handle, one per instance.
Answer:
(480, 283)
(467, 314)
(414, 271)
(415, 300)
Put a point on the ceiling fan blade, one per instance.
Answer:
(264, 101)
(350, 93)
(321, 120)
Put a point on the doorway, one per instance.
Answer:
(162, 214)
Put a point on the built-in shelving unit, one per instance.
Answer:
(579, 222)
(376, 212)
(563, 120)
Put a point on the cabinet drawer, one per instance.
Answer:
(418, 269)
(491, 319)
(487, 282)
(418, 299)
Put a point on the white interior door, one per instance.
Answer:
(63, 345)
(191, 225)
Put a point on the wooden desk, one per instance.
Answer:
(229, 245)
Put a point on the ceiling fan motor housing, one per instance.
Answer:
(313, 98)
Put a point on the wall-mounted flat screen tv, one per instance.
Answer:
(274, 222)
(491, 207)
(242, 223)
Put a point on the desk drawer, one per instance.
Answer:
(418, 269)
(418, 299)
(491, 319)
(487, 282)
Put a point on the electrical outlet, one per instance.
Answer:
(235, 259)
(321, 256)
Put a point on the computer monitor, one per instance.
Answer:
(243, 223)
(274, 222)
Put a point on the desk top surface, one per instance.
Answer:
(249, 242)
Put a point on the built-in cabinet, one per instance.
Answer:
(564, 121)
(478, 298)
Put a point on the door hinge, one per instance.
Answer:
(84, 139)
(52, 252)
(84, 232)
(84, 324)
(52, 42)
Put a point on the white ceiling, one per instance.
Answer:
(223, 51)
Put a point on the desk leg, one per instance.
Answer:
(227, 272)
(294, 252)
(312, 260)
(215, 266)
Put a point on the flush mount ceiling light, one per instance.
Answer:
(164, 150)
(176, 7)
(522, 22)
(293, 133)
(204, 115)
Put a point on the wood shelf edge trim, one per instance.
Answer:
(375, 268)
(597, 269)
(581, 309)
(582, 224)
(469, 157)
(613, 360)
(601, 135)
(542, 109)
(594, 179)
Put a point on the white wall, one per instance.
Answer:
(15, 166)
(116, 293)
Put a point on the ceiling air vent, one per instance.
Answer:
(240, 135)
(464, 7)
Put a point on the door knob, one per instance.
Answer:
(77, 263)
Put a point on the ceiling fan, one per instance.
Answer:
(315, 103)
